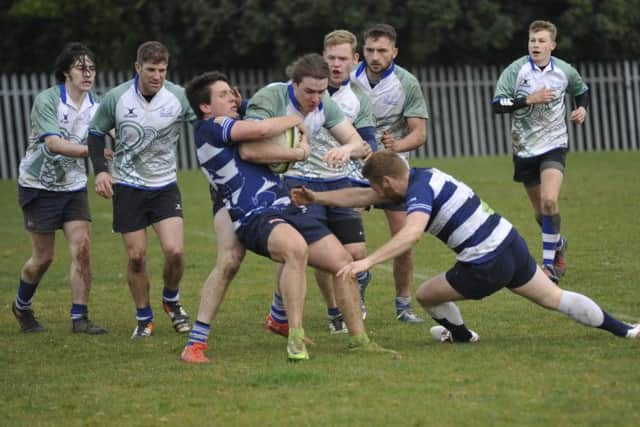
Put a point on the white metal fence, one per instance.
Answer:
(458, 99)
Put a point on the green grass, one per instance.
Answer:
(531, 367)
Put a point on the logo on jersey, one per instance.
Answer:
(392, 99)
(131, 112)
(166, 112)
(65, 118)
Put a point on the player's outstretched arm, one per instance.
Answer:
(401, 242)
(257, 130)
(345, 198)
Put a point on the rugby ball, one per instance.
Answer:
(289, 138)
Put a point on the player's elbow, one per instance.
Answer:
(247, 154)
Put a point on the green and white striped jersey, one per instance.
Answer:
(539, 128)
(54, 113)
(396, 97)
(277, 99)
(357, 109)
(147, 132)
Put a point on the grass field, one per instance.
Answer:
(531, 367)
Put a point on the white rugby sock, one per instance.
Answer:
(580, 308)
(448, 311)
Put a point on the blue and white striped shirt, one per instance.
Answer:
(247, 188)
(458, 217)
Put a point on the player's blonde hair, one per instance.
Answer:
(384, 163)
(540, 25)
(338, 37)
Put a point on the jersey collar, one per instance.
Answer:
(63, 95)
(551, 65)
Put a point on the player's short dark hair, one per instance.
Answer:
(381, 30)
(71, 53)
(197, 90)
(152, 52)
(310, 65)
(383, 163)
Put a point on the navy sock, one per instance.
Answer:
(25, 295)
(614, 326)
(459, 333)
(170, 295)
(333, 311)
(144, 314)
(78, 311)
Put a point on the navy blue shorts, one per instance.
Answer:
(135, 208)
(46, 211)
(527, 169)
(512, 268)
(255, 234)
(345, 223)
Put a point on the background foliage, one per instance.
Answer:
(204, 34)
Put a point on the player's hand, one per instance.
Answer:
(302, 196)
(337, 156)
(354, 268)
(237, 96)
(302, 128)
(304, 144)
(104, 185)
(578, 115)
(366, 150)
(389, 141)
(108, 154)
(542, 96)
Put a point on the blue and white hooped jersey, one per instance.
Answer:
(458, 217)
(247, 188)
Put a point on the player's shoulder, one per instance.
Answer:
(274, 90)
(117, 92)
(174, 88)
(48, 96)
(520, 63)
(359, 93)
(563, 65)
(403, 74)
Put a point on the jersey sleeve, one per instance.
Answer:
(419, 193)
(187, 113)
(261, 105)
(105, 118)
(576, 85)
(44, 116)
(506, 86)
(365, 117)
(414, 104)
(332, 112)
(221, 130)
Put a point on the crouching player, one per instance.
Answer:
(490, 252)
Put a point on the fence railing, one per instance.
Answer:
(458, 99)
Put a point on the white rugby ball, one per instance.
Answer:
(289, 138)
